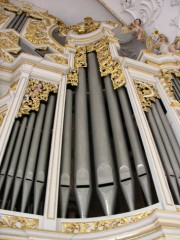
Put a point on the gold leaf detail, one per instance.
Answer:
(36, 91)
(18, 222)
(9, 42)
(79, 61)
(102, 225)
(59, 59)
(147, 94)
(106, 64)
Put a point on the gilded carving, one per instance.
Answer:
(2, 115)
(5, 56)
(36, 91)
(102, 225)
(9, 42)
(18, 222)
(3, 16)
(59, 59)
(106, 64)
(87, 26)
(147, 94)
(79, 61)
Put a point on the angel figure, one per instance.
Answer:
(136, 30)
(162, 45)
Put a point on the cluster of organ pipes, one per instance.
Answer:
(24, 167)
(130, 171)
(167, 146)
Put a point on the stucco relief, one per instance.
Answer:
(147, 11)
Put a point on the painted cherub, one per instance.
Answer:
(137, 30)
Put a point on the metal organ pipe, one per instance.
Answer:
(136, 146)
(167, 144)
(121, 149)
(82, 171)
(65, 175)
(33, 152)
(8, 153)
(164, 157)
(44, 150)
(14, 161)
(22, 159)
(168, 130)
(103, 159)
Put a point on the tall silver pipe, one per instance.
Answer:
(8, 153)
(167, 144)
(103, 158)
(22, 159)
(82, 170)
(164, 157)
(169, 131)
(122, 155)
(11, 25)
(22, 24)
(65, 176)
(136, 146)
(14, 161)
(33, 152)
(44, 150)
(19, 21)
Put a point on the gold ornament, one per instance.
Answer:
(59, 59)
(106, 64)
(9, 42)
(18, 222)
(102, 225)
(147, 94)
(36, 92)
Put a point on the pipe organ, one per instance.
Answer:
(90, 141)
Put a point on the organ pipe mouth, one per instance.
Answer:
(105, 184)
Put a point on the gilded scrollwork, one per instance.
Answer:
(102, 225)
(36, 91)
(18, 222)
(106, 64)
(79, 61)
(2, 115)
(147, 94)
(9, 42)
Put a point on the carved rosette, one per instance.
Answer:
(18, 222)
(147, 94)
(166, 80)
(36, 92)
(106, 64)
(102, 225)
(79, 61)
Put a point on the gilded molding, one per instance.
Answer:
(2, 115)
(58, 59)
(9, 42)
(79, 61)
(102, 225)
(106, 64)
(18, 222)
(36, 91)
(147, 94)
(165, 77)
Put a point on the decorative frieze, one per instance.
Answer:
(102, 225)
(18, 222)
(9, 41)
